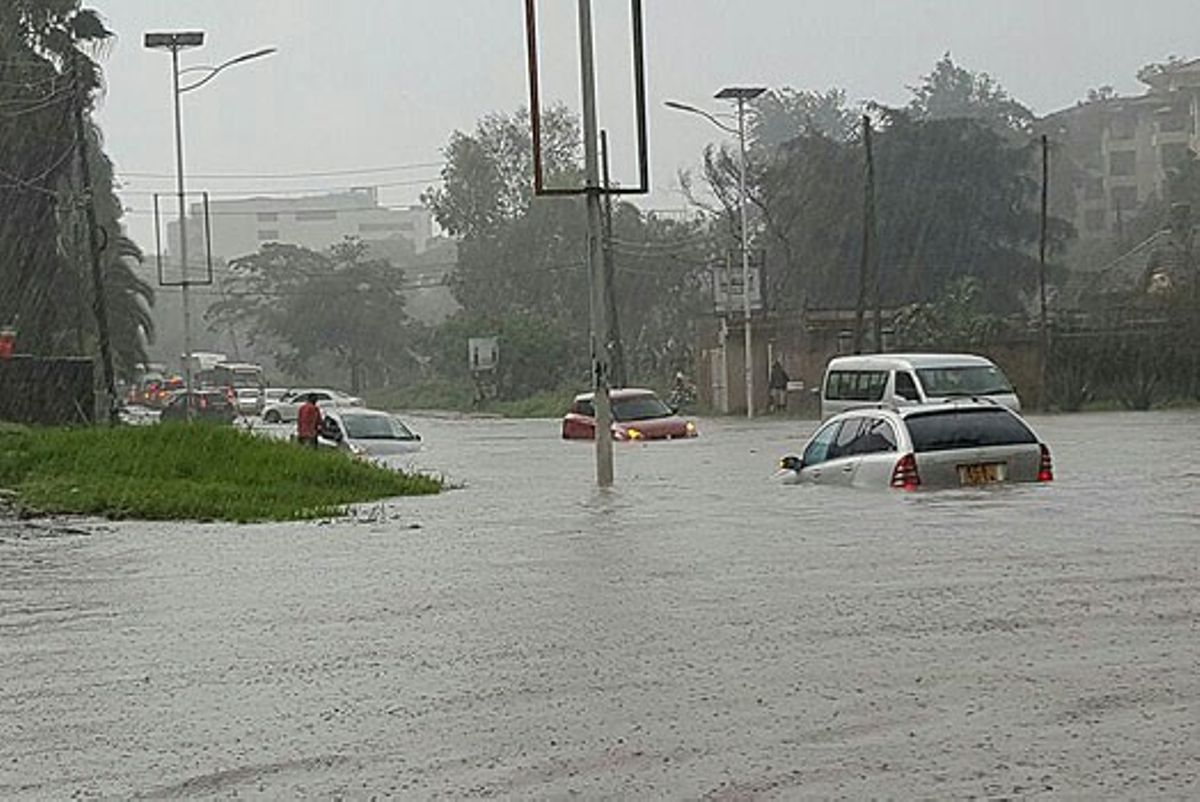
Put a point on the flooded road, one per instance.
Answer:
(699, 631)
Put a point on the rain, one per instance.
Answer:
(629, 399)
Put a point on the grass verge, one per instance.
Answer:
(195, 472)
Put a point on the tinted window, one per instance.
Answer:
(867, 435)
(843, 444)
(906, 386)
(952, 429)
(874, 436)
(641, 407)
(967, 380)
(818, 448)
(584, 408)
(856, 385)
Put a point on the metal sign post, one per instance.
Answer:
(593, 189)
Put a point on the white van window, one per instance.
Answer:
(856, 385)
(964, 380)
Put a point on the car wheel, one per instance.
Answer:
(272, 416)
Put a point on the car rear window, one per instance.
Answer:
(952, 429)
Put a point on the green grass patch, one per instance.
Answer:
(196, 472)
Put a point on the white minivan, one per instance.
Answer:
(895, 380)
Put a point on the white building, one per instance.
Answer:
(240, 227)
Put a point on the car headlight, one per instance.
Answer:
(691, 427)
(356, 449)
(634, 434)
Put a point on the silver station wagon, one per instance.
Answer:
(962, 443)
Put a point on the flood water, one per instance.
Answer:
(700, 631)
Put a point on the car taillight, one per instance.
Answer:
(1046, 468)
(904, 475)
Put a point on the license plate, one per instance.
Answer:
(983, 473)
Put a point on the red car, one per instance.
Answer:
(637, 415)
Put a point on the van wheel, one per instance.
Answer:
(272, 416)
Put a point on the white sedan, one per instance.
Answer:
(285, 409)
(368, 433)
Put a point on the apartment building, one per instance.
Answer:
(240, 227)
(1122, 148)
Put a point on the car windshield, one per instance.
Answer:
(972, 428)
(964, 380)
(376, 427)
(639, 407)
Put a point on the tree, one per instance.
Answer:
(951, 91)
(487, 180)
(781, 115)
(308, 304)
(521, 270)
(46, 72)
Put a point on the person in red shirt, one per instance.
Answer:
(308, 422)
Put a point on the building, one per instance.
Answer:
(240, 227)
(1122, 148)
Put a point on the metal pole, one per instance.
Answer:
(745, 255)
(183, 258)
(1044, 351)
(100, 299)
(864, 263)
(617, 350)
(596, 272)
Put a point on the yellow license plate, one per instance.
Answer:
(983, 473)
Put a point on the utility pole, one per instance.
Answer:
(97, 241)
(596, 271)
(617, 350)
(741, 106)
(1044, 350)
(864, 262)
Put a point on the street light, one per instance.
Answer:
(176, 41)
(741, 94)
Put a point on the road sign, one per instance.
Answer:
(482, 353)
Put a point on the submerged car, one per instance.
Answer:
(286, 408)
(368, 433)
(638, 414)
(962, 443)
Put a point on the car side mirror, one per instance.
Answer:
(791, 463)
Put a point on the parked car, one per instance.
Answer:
(207, 405)
(249, 400)
(368, 433)
(899, 379)
(285, 409)
(638, 414)
(957, 443)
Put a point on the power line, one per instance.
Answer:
(307, 174)
(219, 213)
(255, 193)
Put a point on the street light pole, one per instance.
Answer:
(741, 102)
(183, 241)
(175, 42)
(741, 94)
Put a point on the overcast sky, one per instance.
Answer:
(382, 83)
